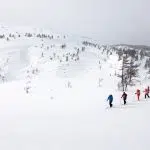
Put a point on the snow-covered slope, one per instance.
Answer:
(54, 90)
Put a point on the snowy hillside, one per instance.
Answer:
(54, 89)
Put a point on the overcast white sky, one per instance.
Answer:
(109, 21)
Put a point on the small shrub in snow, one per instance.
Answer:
(50, 58)
(2, 36)
(100, 82)
(27, 89)
(100, 67)
(83, 49)
(42, 54)
(63, 46)
(69, 84)
(3, 78)
(7, 39)
(67, 58)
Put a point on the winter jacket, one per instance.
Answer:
(138, 92)
(146, 91)
(124, 96)
(110, 98)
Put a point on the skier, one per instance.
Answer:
(148, 89)
(138, 94)
(124, 96)
(110, 99)
(146, 93)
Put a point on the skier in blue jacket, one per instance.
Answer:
(110, 99)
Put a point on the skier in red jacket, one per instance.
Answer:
(138, 94)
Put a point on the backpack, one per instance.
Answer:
(110, 98)
(138, 91)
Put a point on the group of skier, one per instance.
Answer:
(124, 96)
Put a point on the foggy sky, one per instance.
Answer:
(109, 21)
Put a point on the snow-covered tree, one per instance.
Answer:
(132, 72)
(129, 71)
(123, 75)
(69, 84)
(100, 82)
(4, 69)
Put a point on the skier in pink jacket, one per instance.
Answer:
(146, 93)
